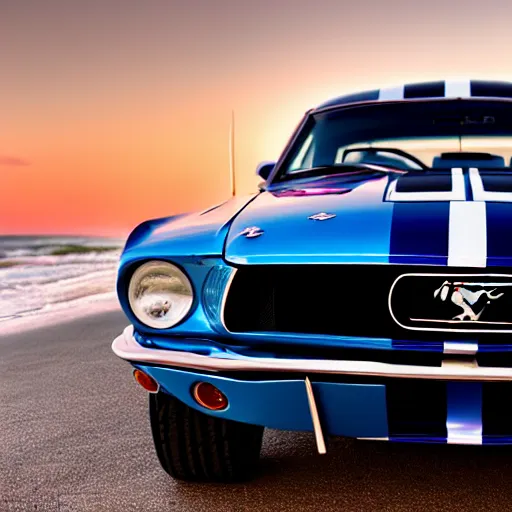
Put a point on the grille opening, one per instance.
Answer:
(416, 408)
(339, 300)
(496, 417)
(319, 300)
(496, 359)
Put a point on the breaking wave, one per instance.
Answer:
(38, 274)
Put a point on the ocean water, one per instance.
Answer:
(41, 274)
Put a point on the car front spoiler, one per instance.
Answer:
(126, 347)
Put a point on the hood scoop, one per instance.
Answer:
(439, 186)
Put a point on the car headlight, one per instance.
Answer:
(160, 294)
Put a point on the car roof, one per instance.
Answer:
(425, 90)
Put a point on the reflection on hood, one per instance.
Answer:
(341, 183)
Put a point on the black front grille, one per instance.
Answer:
(419, 408)
(496, 417)
(416, 408)
(342, 300)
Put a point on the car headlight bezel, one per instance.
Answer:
(160, 294)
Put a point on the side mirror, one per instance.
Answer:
(264, 169)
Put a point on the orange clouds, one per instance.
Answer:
(12, 161)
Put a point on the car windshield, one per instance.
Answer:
(412, 136)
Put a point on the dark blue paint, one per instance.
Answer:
(419, 233)
(497, 440)
(467, 185)
(418, 439)
(495, 347)
(499, 234)
(425, 90)
(425, 182)
(424, 346)
(356, 97)
(491, 89)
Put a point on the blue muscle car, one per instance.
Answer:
(364, 291)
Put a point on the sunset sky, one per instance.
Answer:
(116, 111)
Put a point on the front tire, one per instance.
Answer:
(193, 446)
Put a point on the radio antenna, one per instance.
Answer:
(232, 154)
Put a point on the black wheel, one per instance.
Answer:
(193, 446)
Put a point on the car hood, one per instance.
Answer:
(378, 219)
(189, 235)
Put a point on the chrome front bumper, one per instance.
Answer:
(126, 347)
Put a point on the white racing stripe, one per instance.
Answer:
(467, 235)
(392, 93)
(480, 194)
(460, 347)
(457, 89)
(467, 238)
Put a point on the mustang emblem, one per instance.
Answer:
(322, 216)
(465, 299)
(252, 232)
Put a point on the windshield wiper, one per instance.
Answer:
(346, 167)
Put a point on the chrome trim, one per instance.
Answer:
(438, 329)
(322, 216)
(126, 347)
(372, 438)
(459, 363)
(251, 232)
(315, 418)
(184, 277)
(225, 298)
(460, 347)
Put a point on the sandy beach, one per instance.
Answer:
(74, 436)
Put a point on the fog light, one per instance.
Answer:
(209, 396)
(147, 382)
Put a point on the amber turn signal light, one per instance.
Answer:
(147, 382)
(209, 396)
